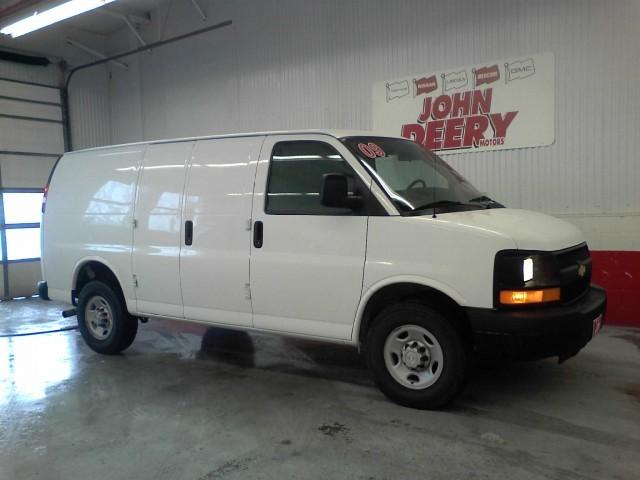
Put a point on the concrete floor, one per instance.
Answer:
(187, 402)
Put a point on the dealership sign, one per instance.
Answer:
(491, 106)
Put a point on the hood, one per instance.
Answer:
(529, 230)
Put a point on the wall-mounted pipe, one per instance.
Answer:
(95, 53)
(68, 141)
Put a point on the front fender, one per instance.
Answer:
(398, 279)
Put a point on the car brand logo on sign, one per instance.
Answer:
(520, 69)
(397, 90)
(424, 85)
(493, 106)
(485, 75)
(454, 80)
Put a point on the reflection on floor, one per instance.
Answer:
(257, 350)
(191, 402)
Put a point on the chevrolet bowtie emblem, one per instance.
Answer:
(582, 270)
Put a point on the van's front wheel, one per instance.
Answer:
(103, 320)
(417, 357)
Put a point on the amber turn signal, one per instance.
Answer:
(520, 297)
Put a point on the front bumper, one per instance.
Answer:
(538, 332)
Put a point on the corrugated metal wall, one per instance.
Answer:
(89, 108)
(299, 64)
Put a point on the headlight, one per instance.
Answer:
(527, 269)
(525, 277)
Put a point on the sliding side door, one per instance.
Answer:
(214, 263)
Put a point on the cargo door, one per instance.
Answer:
(157, 232)
(214, 262)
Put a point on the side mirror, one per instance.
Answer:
(334, 192)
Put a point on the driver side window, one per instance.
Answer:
(295, 177)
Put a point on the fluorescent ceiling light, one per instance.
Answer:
(54, 15)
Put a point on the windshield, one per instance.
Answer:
(414, 177)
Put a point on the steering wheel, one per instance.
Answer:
(417, 181)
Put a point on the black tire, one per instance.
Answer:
(124, 327)
(452, 376)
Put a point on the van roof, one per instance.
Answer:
(329, 132)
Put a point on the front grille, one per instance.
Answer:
(571, 262)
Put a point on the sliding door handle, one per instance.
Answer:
(188, 232)
(257, 234)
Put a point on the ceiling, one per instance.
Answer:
(94, 21)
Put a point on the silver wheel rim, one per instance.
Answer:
(413, 356)
(98, 317)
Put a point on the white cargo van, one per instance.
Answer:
(339, 236)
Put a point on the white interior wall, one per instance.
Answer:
(89, 102)
(89, 107)
(287, 64)
(52, 43)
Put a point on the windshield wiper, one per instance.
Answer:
(483, 199)
(439, 203)
(486, 201)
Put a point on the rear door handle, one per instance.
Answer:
(257, 234)
(188, 232)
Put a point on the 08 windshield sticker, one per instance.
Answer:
(371, 150)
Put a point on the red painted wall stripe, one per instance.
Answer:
(619, 273)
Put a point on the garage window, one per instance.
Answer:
(32, 138)
(20, 226)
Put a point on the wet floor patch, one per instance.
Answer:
(204, 404)
(30, 316)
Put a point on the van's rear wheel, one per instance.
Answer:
(417, 357)
(103, 320)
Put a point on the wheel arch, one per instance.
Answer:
(385, 293)
(95, 268)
